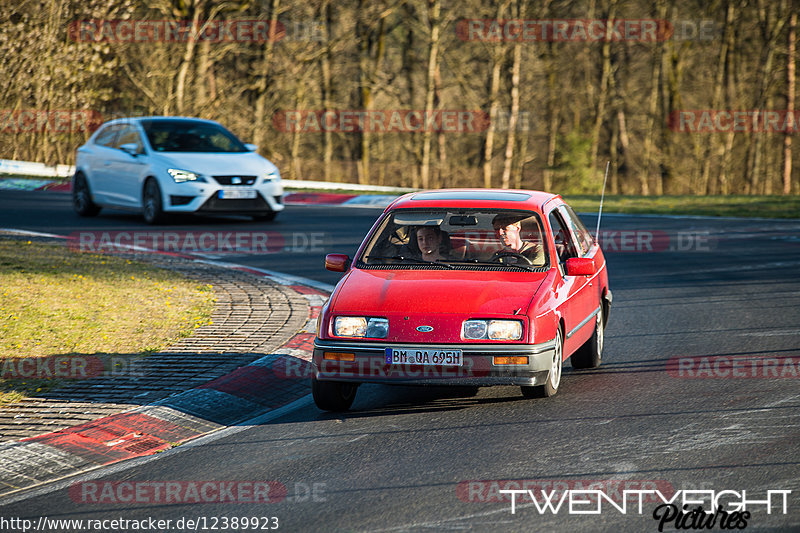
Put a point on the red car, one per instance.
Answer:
(465, 287)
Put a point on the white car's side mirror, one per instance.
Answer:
(251, 147)
(131, 148)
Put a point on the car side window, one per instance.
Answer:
(129, 136)
(106, 136)
(582, 234)
(565, 247)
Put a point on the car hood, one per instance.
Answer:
(217, 164)
(441, 299)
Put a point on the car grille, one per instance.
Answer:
(229, 180)
(247, 205)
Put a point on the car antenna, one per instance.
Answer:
(602, 197)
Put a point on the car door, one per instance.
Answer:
(125, 170)
(572, 292)
(98, 162)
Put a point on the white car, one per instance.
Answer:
(159, 165)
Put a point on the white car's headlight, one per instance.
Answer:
(182, 176)
(272, 176)
(359, 326)
(496, 330)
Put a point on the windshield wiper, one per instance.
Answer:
(529, 268)
(413, 260)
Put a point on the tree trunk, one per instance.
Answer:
(186, 61)
(519, 13)
(498, 56)
(263, 78)
(602, 97)
(790, 90)
(434, 14)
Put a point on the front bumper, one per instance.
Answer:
(203, 198)
(478, 366)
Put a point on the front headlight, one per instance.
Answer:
(359, 326)
(272, 176)
(182, 176)
(496, 330)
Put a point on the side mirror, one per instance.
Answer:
(337, 262)
(581, 266)
(251, 147)
(130, 148)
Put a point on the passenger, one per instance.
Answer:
(429, 242)
(507, 228)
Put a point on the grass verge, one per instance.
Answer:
(56, 302)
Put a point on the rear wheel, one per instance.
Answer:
(590, 355)
(553, 376)
(82, 197)
(153, 212)
(333, 396)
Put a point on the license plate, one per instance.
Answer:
(237, 194)
(423, 356)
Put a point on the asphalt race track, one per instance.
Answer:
(698, 391)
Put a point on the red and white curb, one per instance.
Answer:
(265, 385)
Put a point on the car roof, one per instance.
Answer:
(128, 120)
(475, 198)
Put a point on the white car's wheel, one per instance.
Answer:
(82, 197)
(151, 200)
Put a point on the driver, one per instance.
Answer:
(507, 228)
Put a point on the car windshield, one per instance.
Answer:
(457, 239)
(190, 136)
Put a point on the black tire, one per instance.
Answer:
(550, 388)
(590, 355)
(82, 197)
(333, 396)
(266, 217)
(152, 209)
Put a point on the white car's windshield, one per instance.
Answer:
(190, 136)
(459, 239)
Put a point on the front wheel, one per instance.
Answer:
(553, 376)
(153, 211)
(82, 198)
(333, 396)
(590, 355)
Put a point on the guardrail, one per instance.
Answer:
(30, 168)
